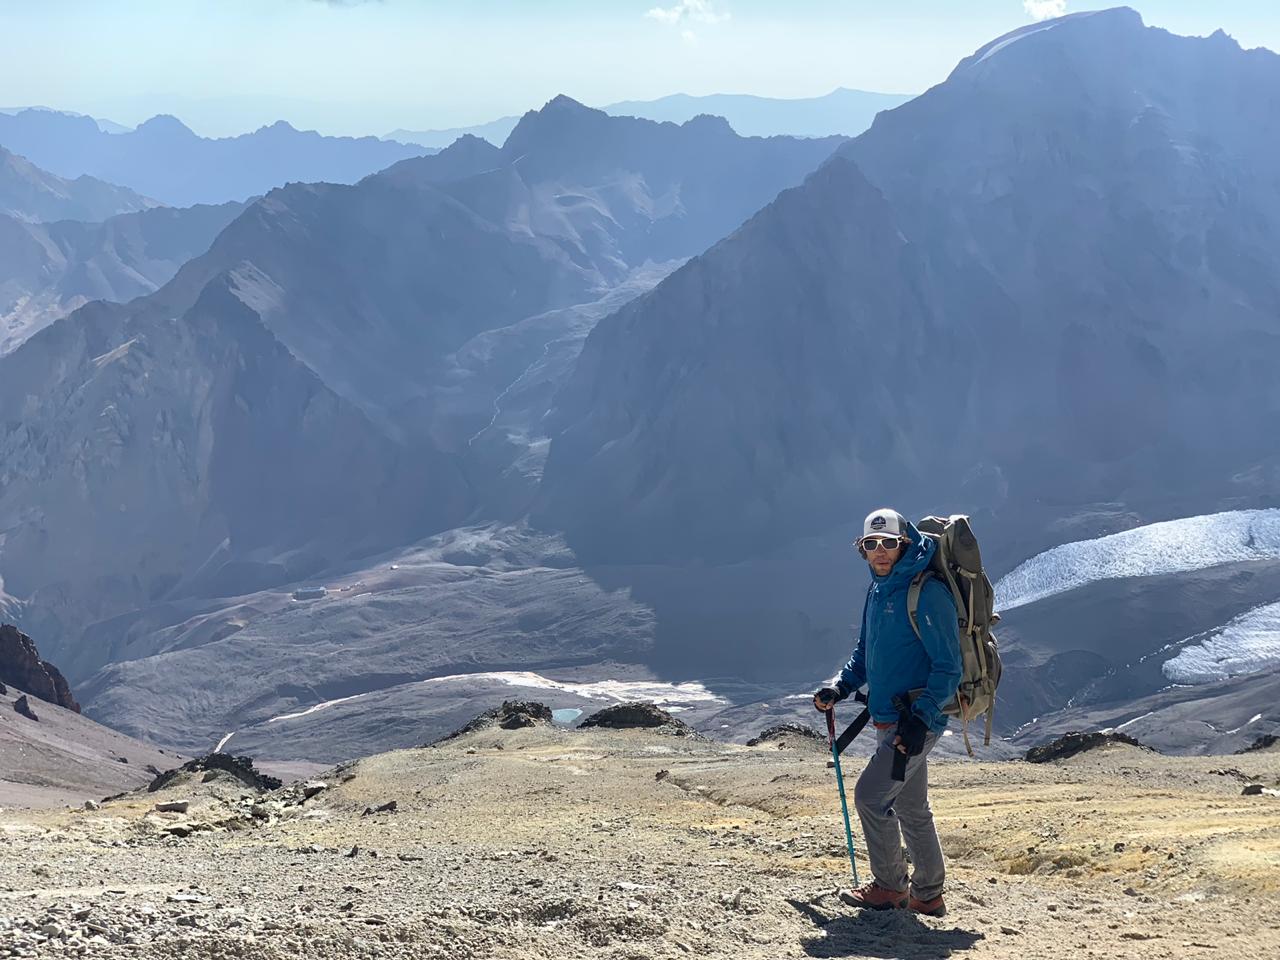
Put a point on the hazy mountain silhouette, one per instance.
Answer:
(163, 159)
(30, 193)
(842, 112)
(49, 269)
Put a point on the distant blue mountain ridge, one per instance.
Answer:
(842, 112)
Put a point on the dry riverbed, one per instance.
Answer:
(545, 843)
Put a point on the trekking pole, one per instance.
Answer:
(844, 804)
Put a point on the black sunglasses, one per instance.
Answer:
(869, 544)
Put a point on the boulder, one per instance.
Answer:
(512, 715)
(22, 706)
(787, 731)
(241, 768)
(1070, 744)
(637, 716)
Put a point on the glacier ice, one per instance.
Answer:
(1172, 546)
(1250, 643)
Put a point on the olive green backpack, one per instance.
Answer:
(957, 563)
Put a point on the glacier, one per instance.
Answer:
(1171, 546)
(1250, 643)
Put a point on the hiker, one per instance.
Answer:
(922, 674)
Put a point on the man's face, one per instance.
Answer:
(876, 548)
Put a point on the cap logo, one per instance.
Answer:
(877, 523)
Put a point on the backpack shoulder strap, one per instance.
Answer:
(913, 599)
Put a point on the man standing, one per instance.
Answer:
(922, 672)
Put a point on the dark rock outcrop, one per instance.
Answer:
(1264, 742)
(1070, 744)
(639, 716)
(20, 665)
(783, 731)
(241, 768)
(512, 715)
(22, 706)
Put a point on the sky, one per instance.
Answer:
(370, 66)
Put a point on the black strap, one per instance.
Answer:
(901, 703)
(851, 732)
(859, 722)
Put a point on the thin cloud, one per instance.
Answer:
(1044, 9)
(688, 11)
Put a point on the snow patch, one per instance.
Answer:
(1173, 546)
(619, 690)
(1248, 644)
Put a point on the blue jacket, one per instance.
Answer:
(890, 659)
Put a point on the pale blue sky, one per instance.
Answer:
(368, 66)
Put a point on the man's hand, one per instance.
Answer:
(912, 732)
(825, 699)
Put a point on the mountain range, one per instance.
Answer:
(166, 161)
(842, 112)
(32, 194)
(49, 269)
(302, 394)
(1039, 293)
(616, 395)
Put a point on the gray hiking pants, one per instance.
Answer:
(892, 812)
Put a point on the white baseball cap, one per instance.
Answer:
(886, 522)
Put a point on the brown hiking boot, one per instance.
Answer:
(930, 908)
(872, 896)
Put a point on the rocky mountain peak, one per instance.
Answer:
(164, 124)
(21, 666)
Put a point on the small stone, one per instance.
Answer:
(1118, 848)
(1252, 790)
(174, 806)
(352, 852)
(92, 805)
(313, 787)
(51, 930)
(1011, 931)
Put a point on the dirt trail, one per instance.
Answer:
(542, 843)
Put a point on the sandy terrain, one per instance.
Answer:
(545, 843)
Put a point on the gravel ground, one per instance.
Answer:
(545, 843)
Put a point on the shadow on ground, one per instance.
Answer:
(892, 935)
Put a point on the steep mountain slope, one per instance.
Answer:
(143, 449)
(1050, 274)
(32, 194)
(164, 159)
(1043, 293)
(65, 758)
(48, 270)
(133, 445)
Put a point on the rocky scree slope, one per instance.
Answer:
(626, 843)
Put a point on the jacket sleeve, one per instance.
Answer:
(854, 674)
(940, 634)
